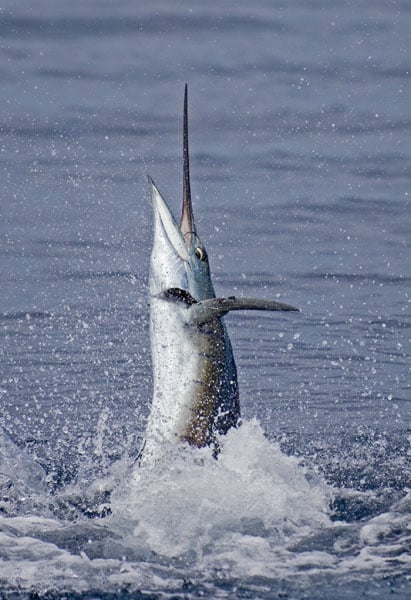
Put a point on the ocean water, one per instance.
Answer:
(300, 120)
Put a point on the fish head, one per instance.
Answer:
(169, 255)
(199, 279)
(179, 258)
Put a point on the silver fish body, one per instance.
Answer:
(195, 385)
(195, 395)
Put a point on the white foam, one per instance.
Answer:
(192, 500)
(253, 513)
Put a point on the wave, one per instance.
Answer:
(192, 525)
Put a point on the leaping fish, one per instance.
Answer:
(195, 396)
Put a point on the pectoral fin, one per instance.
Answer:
(206, 310)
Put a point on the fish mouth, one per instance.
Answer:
(169, 224)
(186, 231)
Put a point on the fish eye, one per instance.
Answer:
(200, 253)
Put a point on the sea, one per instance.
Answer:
(300, 140)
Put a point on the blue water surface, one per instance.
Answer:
(300, 121)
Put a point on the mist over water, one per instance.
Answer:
(299, 120)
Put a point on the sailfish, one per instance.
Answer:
(195, 387)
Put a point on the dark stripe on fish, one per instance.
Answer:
(179, 295)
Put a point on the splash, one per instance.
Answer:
(22, 480)
(193, 503)
(254, 519)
